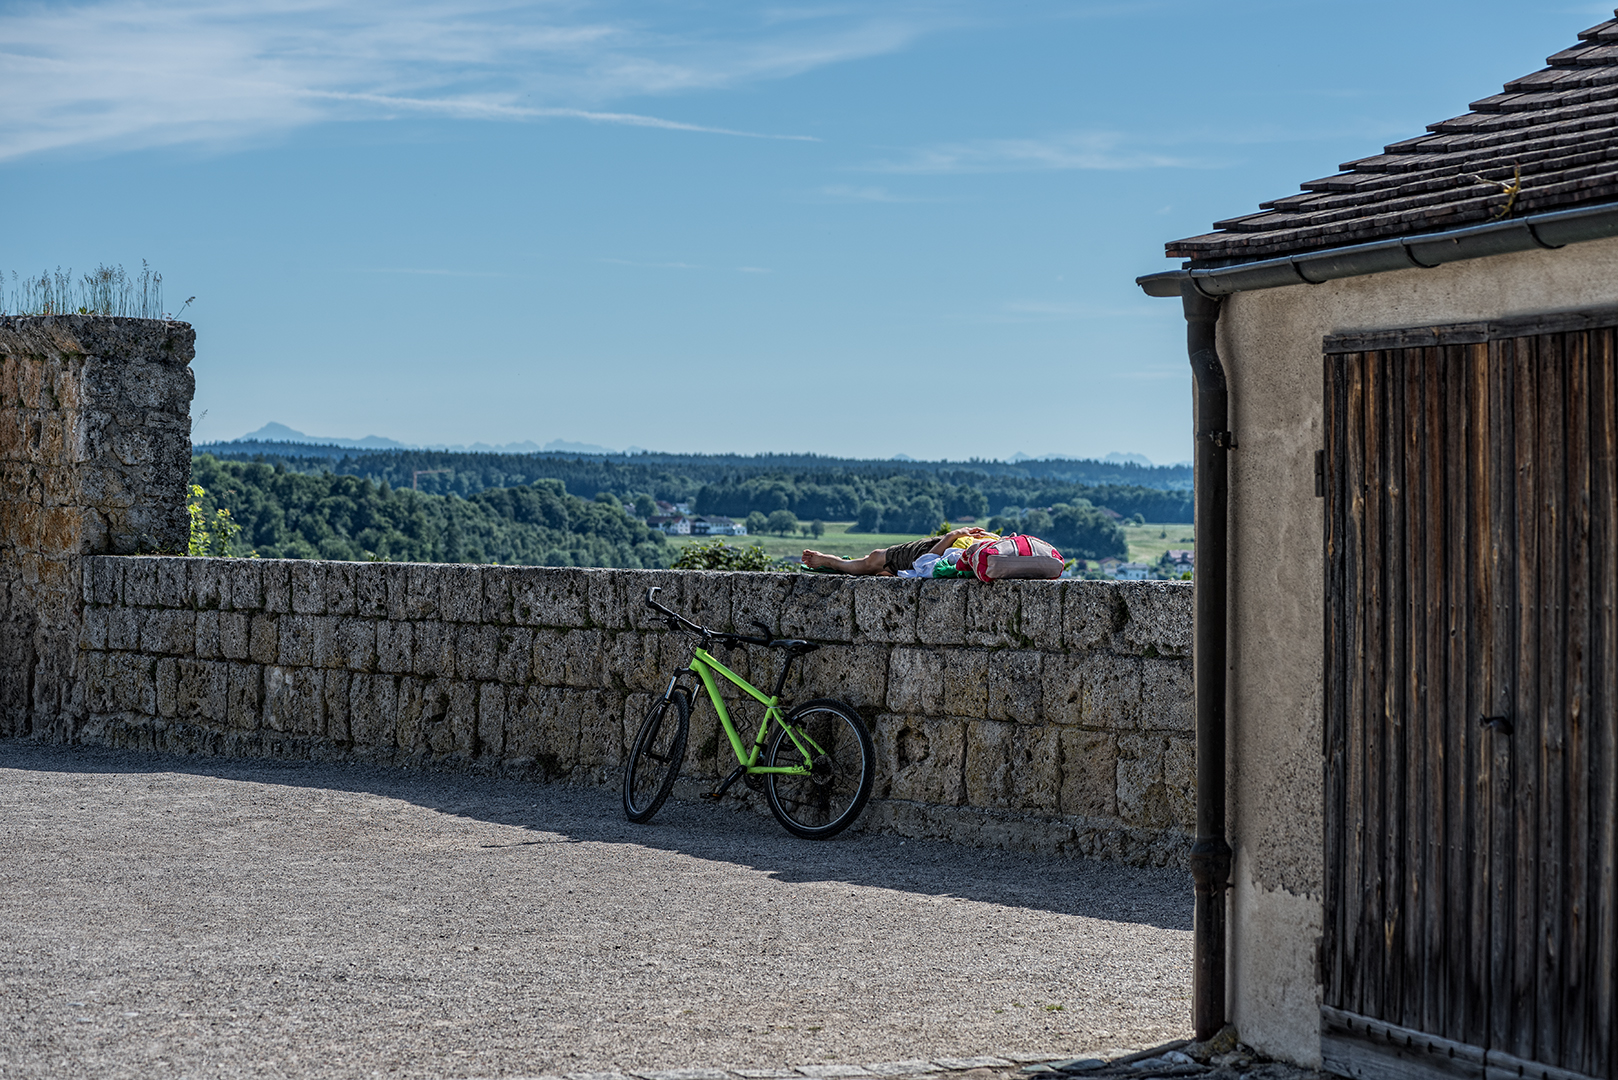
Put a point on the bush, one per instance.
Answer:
(718, 555)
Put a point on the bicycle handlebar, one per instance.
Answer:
(679, 623)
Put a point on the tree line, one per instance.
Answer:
(288, 514)
(905, 495)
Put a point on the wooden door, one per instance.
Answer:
(1471, 479)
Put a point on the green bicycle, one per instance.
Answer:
(814, 762)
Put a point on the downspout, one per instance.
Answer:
(1210, 856)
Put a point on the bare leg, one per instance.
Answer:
(876, 563)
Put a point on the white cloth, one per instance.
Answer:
(922, 568)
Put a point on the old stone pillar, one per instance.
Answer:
(95, 456)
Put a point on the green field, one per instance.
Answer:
(1146, 542)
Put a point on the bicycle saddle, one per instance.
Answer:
(795, 645)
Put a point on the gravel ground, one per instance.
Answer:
(168, 916)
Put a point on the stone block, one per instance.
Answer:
(1110, 691)
(372, 709)
(169, 632)
(549, 664)
(395, 646)
(420, 714)
(496, 584)
(334, 693)
(1015, 688)
(609, 599)
(341, 587)
(916, 682)
(966, 682)
(551, 596)
(93, 635)
(103, 581)
(635, 662)
(201, 691)
(123, 629)
(134, 683)
(491, 725)
(1180, 780)
(758, 598)
(1158, 618)
(1168, 695)
(583, 659)
(167, 686)
(246, 581)
(308, 584)
(434, 648)
(206, 643)
(477, 651)
(514, 656)
(140, 582)
(919, 759)
(210, 589)
(705, 599)
(1143, 800)
(412, 592)
(1092, 611)
(885, 609)
(174, 582)
(294, 700)
(460, 719)
(371, 588)
(1012, 767)
(941, 611)
(330, 646)
(857, 674)
(263, 640)
(820, 607)
(276, 581)
(460, 593)
(235, 635)
(244, 696)
(1039, 612)
(1089, 773)
(296, 646)
(542, 734)
(600, 753)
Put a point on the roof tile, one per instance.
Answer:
(1555, 130)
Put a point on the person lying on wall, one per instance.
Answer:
(893, 561)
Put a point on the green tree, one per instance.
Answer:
(782, 522)
(870, 517)
(645, 505)
(817, 528)
(757, 522)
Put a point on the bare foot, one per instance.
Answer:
(815, 559)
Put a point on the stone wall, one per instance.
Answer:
(95, 451)
(1043, 715)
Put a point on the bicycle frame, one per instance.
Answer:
(704, 666)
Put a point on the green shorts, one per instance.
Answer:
(904, 556)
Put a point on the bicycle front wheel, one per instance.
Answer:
(655, 759)
(841, 760)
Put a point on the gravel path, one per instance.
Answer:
(169, 916)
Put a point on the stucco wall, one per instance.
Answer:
(1271, 345)
(1050, 716)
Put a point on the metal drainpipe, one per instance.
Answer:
(1210, 856)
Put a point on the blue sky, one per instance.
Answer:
(857, 229)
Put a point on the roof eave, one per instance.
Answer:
(1553, 229)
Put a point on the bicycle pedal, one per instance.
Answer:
(714, 796)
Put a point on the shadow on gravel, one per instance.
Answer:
(566, 814)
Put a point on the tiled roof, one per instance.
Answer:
(1558, 126)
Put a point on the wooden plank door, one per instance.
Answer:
(1472, 691)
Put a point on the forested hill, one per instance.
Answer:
(886, 496)
(707, 467)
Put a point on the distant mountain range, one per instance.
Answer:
(279, 433)
(274, 433)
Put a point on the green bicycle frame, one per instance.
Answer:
(704, 664)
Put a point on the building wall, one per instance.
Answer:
(95, 452)
(1270, 342)
(1049, 716)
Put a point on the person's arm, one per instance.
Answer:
(949, 538)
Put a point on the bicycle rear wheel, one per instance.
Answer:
(824, 803)
(655, 759)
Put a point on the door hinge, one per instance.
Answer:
(1320, 474)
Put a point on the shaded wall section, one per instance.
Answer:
(95, 452)
(1039, 715)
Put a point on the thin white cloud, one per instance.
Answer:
(1096, 150)
(855, 194)
(118, 74)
